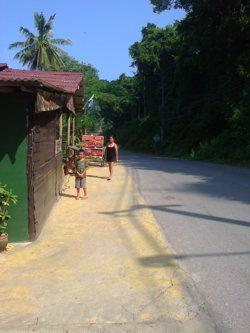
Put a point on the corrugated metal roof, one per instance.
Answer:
(65, 81)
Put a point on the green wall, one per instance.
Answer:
(13, 155)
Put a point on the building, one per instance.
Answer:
(32, 107)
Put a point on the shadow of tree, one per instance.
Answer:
(168, 260)
(171, 210)
(215, 180)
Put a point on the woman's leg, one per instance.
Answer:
(109, 163)
(112, 167)
(110, 170)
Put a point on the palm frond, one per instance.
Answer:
(49, 24)
(61, 41)
(26, 32)
(39, 23)
(19, 54)
(44, 59)
(54, 57)
(34, 64)
(17, 45)
(24, 57)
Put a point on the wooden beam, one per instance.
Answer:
(68, 128)
(60, 125)
(73, 129)
(7, 89)
(28, 90)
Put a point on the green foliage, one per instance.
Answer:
(227, 147)
(161, 5)
(40, 51)
(6, 199)
(91, 121)
(70, 64)
(91, 78)
(132, 135)
(192, 85)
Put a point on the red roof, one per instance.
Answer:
(3, 66)
(65, 81)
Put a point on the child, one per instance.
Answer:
(80, 174)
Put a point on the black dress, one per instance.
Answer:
(111, 154)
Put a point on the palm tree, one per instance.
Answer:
(41, 51)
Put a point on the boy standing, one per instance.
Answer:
(80, 174)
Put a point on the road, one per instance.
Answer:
(204, 211)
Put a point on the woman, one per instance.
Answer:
(111, 155)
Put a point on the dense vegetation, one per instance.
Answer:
(192, 86)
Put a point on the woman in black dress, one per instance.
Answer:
(111, 155)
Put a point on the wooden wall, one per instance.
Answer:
(47, 168)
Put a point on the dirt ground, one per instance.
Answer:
(92, 269)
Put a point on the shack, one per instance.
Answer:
(32, 107)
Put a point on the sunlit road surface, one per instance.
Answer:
(100, 265)
(204, 212)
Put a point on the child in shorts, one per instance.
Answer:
(80, 175)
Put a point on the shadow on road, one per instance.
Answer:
(168, 260)
(94, 176)
(215, 180)
(171, 210)
(66, 195)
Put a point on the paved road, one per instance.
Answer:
(204, 211)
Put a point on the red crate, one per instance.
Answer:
(92, 141)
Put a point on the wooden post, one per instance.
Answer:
(60, 125)
(68, 129)
(73, 129)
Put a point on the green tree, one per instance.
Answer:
(70, 64)
(92, 120)
(160, 5)
(40, 51)
(192, 84)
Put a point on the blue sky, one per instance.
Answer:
(101, 30)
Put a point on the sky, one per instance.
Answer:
(101, 30)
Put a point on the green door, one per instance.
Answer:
(13, 160)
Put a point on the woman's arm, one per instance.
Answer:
(116, 152)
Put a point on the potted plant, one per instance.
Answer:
(6, 198)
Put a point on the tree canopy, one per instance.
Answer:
(161, 5)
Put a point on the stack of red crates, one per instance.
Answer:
(93, 144)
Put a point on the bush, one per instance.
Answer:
(230, 146)
(6, 198)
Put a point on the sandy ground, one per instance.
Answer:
(90, 269)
